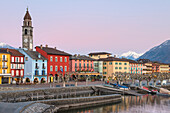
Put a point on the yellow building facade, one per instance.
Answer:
(164, 68)
(113, 65)
(5, 67)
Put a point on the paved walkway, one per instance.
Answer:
(52, 84)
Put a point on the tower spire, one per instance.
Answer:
(27, 32)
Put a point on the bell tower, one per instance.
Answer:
(27, 32)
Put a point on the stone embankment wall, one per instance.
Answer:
(11, 101)
(43, 94)
(55, 105)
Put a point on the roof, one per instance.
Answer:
(112, 59)
(15, 52)
(99, 53)
(34, 55)
(54, 51)
(163, 64)
(132, 61)
(144, 60)
(81, 57)
(27, 15)
(2, 50)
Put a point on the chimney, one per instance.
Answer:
(114, 56)
(41, 46)
(55, 48)
(46, 45)
(7, 50)
(75, 55)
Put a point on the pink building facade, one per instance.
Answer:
(81, 64)
(135, 67)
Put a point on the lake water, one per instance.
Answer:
(132, 104)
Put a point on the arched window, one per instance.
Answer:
(25, 31)
(31, 32)
(28, 23)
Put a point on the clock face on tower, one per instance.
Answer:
(25, 40)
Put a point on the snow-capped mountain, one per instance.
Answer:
(4, 45)
(131, 55)
(159, 53)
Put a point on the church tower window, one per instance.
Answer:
(26, 31)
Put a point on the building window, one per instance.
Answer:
(104, 67)
(65, 68)
(91, 65)
(84, 65)
(61, 68)
(116, 67)
(75, 65)
(120, 63)
(87, 65)
(22, 73)
(65, 59)
(105, 72)
(51, 58)
(56, 59)
(51, 68)
(17, 73)
(12, 72)
(125, 63)
(12, 59)
(17, 67)
(16, 59)
(4, 71)
(12, 66)
(56, 68)
(61, 59)
(36, 72)
(105, 63)
(116, 63)
(43, 66)
(110, 63)
(22, 66)
(43, 72)
(120, 67)
(125, 67)
(22, 59)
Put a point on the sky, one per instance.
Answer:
(84, 26)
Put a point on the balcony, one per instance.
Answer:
(43, 67)
(4, 67)
(4, 59)
(36, 67)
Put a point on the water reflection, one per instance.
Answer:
(132, 104)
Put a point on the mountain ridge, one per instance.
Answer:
(160, 53)
(131, 55)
